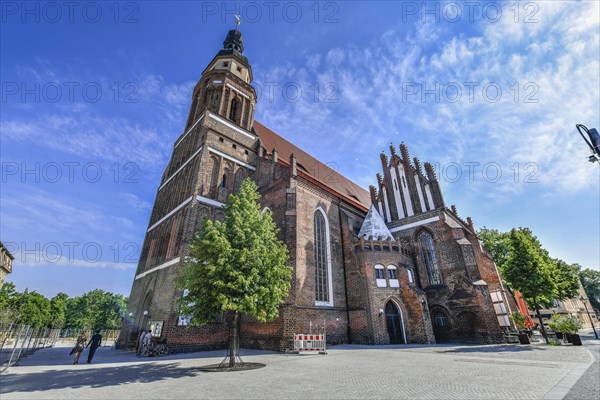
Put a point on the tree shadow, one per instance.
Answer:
(92, 377)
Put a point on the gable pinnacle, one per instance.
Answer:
(373, 192)
(418, 166)
(453, 208)
(404, 152)
(384, 160)
(430, 172)
(393, 151)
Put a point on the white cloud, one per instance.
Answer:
(135, 202)
(95, 137)
(48, 259)
(552, 62)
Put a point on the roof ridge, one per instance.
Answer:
(333, 179)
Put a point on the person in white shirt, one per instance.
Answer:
(148, 338)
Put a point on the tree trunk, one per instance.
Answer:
(234, 339)
(537, 311)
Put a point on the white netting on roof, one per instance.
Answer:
(373, 225)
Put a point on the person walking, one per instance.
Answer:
(95, 342)
(79, 346)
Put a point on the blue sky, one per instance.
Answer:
(93, 98)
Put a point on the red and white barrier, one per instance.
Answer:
(310, 343)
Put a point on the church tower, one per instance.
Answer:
(210, 159)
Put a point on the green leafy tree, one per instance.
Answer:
(96, 309)
(236, 267)
(8, 303)
(58, 309)
(112, 313)
(527, 270)
(590, 280)
(567, 280)
(33, 308)
(496, 243)
(76, 315)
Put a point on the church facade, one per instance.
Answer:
(386, 266)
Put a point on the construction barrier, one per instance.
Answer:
(310, 343)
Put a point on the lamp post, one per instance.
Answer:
(583, 300)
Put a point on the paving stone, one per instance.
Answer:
(347, 372)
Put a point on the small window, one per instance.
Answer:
(411, 278)
(395, 184)
(380, 276)
(224, 181)
(234, 146)
(239, 69)
(221, 140)
(246, 152)
(440, 319)
(393, 276)
(225, 63)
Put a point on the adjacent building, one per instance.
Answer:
(6, 260)
(393, 264)
(578, 306)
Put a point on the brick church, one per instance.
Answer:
(391, 265)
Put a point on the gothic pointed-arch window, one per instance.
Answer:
(233, 110)
(322, 253)
(429, 258)
(238, 179)
(224, 181)
(411, 278)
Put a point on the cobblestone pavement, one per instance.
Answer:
(347, 372)
(588, 386)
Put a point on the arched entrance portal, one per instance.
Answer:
(441, 326)
(468, 324)
(394, 323)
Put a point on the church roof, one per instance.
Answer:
(315, 170)
(373, 225)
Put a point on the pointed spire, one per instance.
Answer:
(373, 226)
(453, 208)
(393, 151)
(373, 192)
(430, 172)
(470, 223)
(379, 179)
(418, 166)
(404, 152)
(384, 160)
(293, 164)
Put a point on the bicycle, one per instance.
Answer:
(151, 349)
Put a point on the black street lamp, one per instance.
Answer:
(583, 300)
